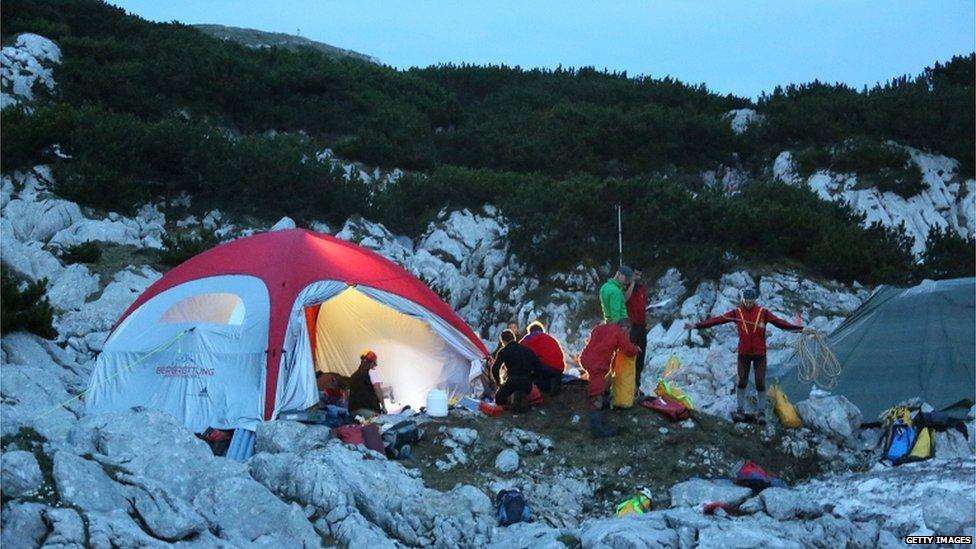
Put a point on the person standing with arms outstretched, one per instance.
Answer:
(750, 321)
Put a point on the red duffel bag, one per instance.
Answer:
(667, 407)
(350, 434)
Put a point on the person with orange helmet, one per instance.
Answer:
(366, 386)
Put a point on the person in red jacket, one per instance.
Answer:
(637, 314)
(604, 342)
(549, 377)
(750, 321)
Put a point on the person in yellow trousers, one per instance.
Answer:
(613, 302)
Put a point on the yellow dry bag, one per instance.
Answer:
(784, 410)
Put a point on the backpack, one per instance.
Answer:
(512, 508)
(398, 438)
(898, 440)
(751, 475)
(922, 448)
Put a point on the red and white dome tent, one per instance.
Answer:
(234, 335)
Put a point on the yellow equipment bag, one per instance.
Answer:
(784, 410)
(624, 384)
(637, 505)
(896, 413)
(924, 446)
(664, 388)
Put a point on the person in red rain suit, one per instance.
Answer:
(750, 321)
(597, 358)
(548, 378)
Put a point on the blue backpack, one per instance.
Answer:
(900, 438)
(512, 508)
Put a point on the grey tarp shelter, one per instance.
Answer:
(903, 343)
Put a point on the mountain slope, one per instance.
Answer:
(143, 110)
(254, 38)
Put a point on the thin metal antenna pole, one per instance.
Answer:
(620, 237)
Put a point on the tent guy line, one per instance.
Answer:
(121, 370)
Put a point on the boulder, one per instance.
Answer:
(84, 484)
(38, 383)
(462, 436)
(527, 535)
(636, 532)
(154, 445)
(28, 258)
(834, 416)
(20, 474)
(23, 525)
(698, 491)
(831, 531)
(71, 287)
(41, 220)
(948, 513)
(952, 444)
(263, 515)
(100, 315)
(283, 224)
(117, 529)
(66, 529)
(344, 481)
(527, 441)
(289, 436)
(26, 66)
(729, 534)
(752, 505)
(786, 504)
(122, 231)
(165, 515)
(741, 119)
(507, 461)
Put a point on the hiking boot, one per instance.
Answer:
(555, 388)
(598, 425)
(520, 403)
(739, 416)
(760, 420)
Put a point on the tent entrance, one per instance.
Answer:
(412, 358)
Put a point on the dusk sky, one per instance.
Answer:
(743, 48)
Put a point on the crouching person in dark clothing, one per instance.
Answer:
(520, 363)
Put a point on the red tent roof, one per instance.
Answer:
(288, 261)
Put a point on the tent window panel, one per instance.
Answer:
(211, 308)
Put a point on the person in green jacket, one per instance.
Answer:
(614, 294)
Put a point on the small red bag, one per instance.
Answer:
(490, 409)
(350, 434)
(667, 407)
